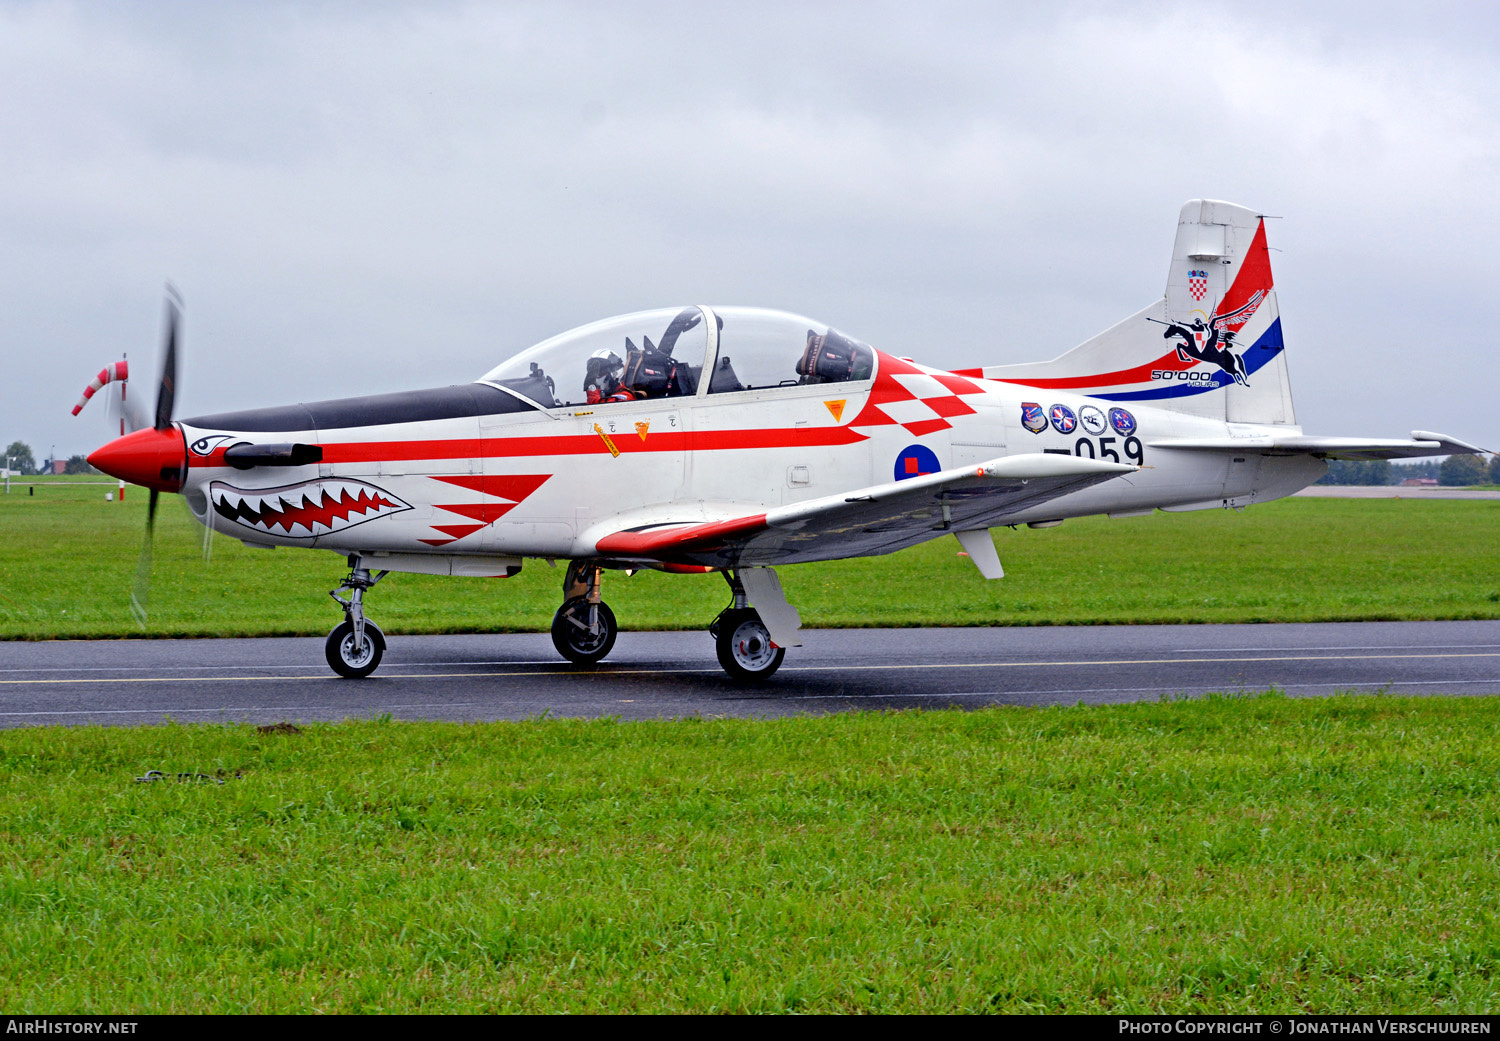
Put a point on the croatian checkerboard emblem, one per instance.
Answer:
(1198, 284)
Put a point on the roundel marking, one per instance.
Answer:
(916, 460)
(1063, 419)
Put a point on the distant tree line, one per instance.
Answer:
(1360, 471)
(1455, 471)
(23, 461)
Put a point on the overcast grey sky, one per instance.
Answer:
(355, 198)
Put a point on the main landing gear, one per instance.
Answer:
(355, 646)
(584, 628)
(746, 651)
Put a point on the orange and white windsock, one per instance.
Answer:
(119, 371)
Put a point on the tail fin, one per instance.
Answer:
(1211, 346)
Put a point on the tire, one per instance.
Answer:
(744, 645)
(571, 635)
(341, 654)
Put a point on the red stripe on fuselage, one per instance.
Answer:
(576, 444)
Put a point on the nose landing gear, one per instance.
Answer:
(355, 646)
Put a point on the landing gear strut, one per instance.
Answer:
(355, 646)
(742, 640)
(584, 629)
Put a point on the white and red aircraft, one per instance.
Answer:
(737, 439)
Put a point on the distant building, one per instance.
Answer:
(1419, 482)
(59, 466)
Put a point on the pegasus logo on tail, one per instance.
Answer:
(1212, 341)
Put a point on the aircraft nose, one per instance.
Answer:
(151, 458)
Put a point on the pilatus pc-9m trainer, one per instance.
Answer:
(740, 440)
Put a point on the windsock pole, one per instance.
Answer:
(123, 385)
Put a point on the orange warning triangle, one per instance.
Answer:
(641, 428)
(837, 408)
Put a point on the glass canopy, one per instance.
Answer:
(662, 354)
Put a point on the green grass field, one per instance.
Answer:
(1235, 854)
(1229, 854)
(68, 557)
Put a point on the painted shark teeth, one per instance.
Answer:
(304, 511)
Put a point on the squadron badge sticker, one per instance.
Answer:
(1122, 421)
(1032, 417)
(1063, 420)
(1092, 420)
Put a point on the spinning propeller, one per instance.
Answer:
(154, 456)
(166, 396)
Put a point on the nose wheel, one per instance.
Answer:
(744, 645)
(354, 656)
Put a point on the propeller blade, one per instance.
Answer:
(140, 596)
(135, 414)
(208, 529)
(166, 393)
(126, 409)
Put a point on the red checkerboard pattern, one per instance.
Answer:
(915, 397)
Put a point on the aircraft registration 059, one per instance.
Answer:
(738, 440)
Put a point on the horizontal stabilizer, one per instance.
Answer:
(1423, 443)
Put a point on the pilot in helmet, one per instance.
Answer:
(602, 376)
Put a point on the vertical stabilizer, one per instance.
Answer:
(1211, 346)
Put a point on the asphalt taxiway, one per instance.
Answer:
(673, 674)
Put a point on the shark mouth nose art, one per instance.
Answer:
(307, 510)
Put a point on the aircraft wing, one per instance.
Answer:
(867, 521)
(1423, 443)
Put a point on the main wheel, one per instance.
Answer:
(349, 661)
(744, 645)
(575, 639)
